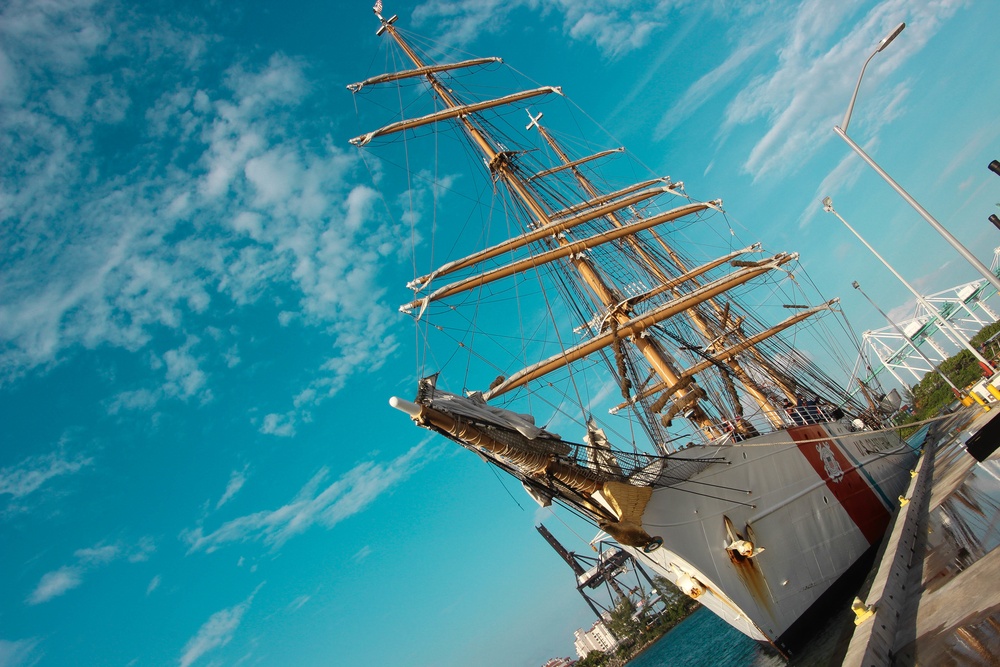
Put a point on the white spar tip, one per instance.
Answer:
(408, 407)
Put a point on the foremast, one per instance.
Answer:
(501, 168)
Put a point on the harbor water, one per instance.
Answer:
(705, 640)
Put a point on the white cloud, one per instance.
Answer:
(806, 93)
(98, 555)
(184, 378)
(799, 96)
(19, 653)
(154, 583)
(68, 577)
(140, 551)
(362, 554)
(53, 584)
(236, 480)
(317, 502)
(282, 426)
(842, 176)
(614, 28)
(138, 399)
(30, 474)
(462, 22)
(708, 85)
(216, 632)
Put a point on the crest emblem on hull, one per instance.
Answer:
(830, 463)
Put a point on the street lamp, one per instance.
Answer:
(828, 207)
(842, 133)
(909, 340)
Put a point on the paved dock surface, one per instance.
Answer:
(935, 590)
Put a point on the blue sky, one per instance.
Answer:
(197, 300)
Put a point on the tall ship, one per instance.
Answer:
(606, 340)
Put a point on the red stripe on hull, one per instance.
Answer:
(846, 484)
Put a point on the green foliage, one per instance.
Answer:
(931, 394)
(593, 659)
(622, 624)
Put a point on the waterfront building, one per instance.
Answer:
(598, 638)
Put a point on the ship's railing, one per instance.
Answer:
(808, 412)
(804, 413)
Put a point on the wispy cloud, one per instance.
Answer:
(798, 93)
(20, 653)
(98, 555)
(805, 93)
(614, 28)
(709, 85)
(236, 481)
(298, 602)
(154, 583)
(53, 584)
(31, 473)
(317, 502)
(216, 632)
(56, 583)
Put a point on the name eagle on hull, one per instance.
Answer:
(741, 478)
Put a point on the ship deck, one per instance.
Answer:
(935, 586)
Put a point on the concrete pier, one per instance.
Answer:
(934, 595)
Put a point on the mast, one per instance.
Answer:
(751, 387)
(500, 165)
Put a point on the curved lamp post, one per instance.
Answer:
(841, 131)
(957, 336)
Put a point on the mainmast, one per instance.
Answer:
(653, 266)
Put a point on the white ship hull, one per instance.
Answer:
(815, 508)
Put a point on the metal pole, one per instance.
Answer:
(962, 250)
(828, 207)
(909, 340)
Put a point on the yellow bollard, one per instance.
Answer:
(993, 390)
(966, 401)
(862, 611)
(978, 399)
